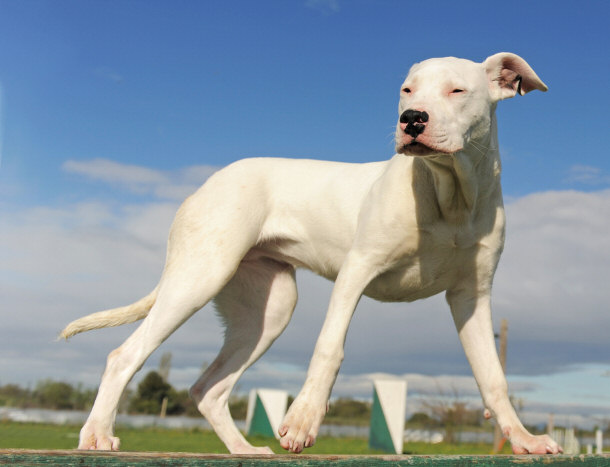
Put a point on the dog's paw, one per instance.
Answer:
(247, 448)
(259, 450)
(300, 426)
(92, 439)
(526, 443)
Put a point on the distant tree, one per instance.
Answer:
(422, 419)
(183, 405)
(238, 407)
(150, 393)
(83, 398)
(48, 394)
(12, 395)
(450, 412)
(149, 396)
(343, 409)
(54, 395)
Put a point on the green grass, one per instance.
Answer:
(41, 436)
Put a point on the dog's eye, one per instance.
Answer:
(456, 91)
(406, 90)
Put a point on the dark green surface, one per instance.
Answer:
(83, 458)
(379, 435)
(260, 424)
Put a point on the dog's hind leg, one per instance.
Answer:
(200, 262)
(256, 305)
(171, 309)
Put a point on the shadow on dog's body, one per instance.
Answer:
(428, 220)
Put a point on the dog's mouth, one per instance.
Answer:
(431, 142)
(417, 148)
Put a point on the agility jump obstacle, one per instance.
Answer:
(388, 415)
(104, 458)
(266, 410)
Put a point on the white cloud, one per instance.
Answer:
(552, 278)
(109, 74)
(324, 6)
(171, 185)
(111, 171)
(588, 175)
(59, 263)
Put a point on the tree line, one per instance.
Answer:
(146, 399)
(153, 389)
(59, 395)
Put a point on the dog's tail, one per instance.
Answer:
(115, 317)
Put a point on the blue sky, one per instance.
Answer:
(112, 111)
(169, 84)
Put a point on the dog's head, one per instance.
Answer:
(447, 103)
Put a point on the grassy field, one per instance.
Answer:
(39, 436)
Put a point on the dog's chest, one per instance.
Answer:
(430, 264)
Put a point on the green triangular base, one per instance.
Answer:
(379, 437)
(260, 424)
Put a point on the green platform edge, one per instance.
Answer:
(20, 457)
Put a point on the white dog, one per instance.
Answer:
(429, 220)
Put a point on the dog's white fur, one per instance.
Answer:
(430, 219)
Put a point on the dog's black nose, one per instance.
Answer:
(414, 121)
(414, 116)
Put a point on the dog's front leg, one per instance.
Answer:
(472, 316)
(302, 422)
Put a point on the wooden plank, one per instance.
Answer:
(21, 457)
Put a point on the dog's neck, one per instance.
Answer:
(463, 180)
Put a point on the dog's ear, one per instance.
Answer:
(509, 74)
